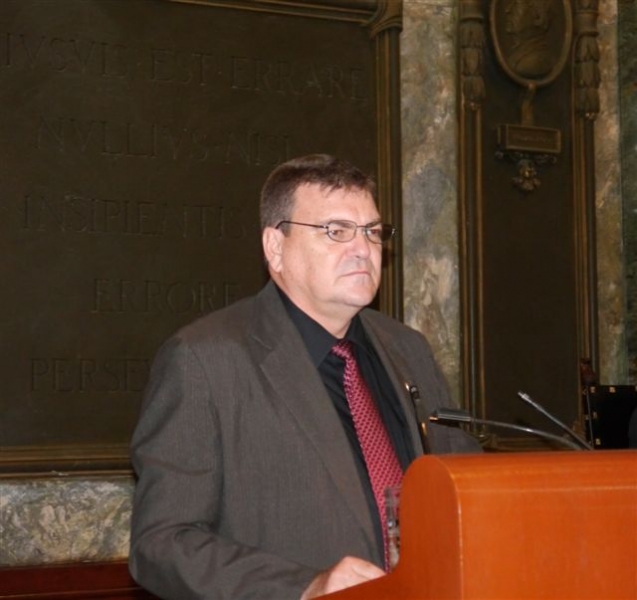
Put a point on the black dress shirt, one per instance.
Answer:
(331, 368)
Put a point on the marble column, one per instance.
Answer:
(611, 288)
(430, 186)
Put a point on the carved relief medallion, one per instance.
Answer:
(531, 38)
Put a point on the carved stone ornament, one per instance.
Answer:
(527, 179)
(532, 40)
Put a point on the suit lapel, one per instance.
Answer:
(399, 376)
(285, 363)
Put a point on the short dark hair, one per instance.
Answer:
(277, 195)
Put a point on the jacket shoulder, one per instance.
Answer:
(381, 324)
(225, 323)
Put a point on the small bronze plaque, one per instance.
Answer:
(529, 139)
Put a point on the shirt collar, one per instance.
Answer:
(317, 339)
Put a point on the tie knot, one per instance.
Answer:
(343, 349)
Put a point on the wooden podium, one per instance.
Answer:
(552, 525)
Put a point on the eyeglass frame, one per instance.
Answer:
(366, 229)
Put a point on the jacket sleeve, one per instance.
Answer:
(176, 551)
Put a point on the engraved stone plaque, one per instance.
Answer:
(135, 138)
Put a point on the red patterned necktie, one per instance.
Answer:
(380, 458)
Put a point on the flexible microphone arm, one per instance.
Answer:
(582, 442)
(448, 416)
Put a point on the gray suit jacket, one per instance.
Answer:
(247, 486)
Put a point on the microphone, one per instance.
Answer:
(537, 406)
(419, 411)
(452, 416)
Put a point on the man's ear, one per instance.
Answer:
(272, 240)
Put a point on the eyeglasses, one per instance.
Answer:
(345, 231)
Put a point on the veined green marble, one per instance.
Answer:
(64, 519)
(429, 133)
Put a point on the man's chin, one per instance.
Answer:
(361, 298)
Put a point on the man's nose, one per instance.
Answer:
(360, 243)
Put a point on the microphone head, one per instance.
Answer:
(451, 415)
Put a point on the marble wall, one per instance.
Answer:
(611, 287)
(61, 519)
(74, 518)
(430, 190)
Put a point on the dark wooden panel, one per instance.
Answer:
(527, 231)
(71, 581)
(627, 62)
(135, 138)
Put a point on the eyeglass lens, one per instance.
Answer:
(344, 231)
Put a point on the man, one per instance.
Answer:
(252, 481)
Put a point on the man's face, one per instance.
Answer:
(330, 281)
(518, 16)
